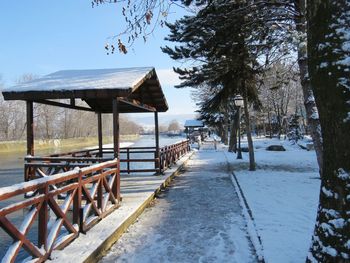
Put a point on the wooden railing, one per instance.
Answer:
(170, 154)
(63, 205)
(153, 162)
(67, 194)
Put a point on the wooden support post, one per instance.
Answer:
(43, 219)
(115, 128)
(156, 129)
(30, 128)
(99, 132)
(116, 185)
(128, 158)
(77, 203)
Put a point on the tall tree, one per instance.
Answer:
(329, 67)
(224, 53)
(309, 100)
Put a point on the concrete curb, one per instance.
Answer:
(248, 215)
(81, 251)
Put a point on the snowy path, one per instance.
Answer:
(197, 219)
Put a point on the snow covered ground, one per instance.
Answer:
(198, 219)
(283, 196)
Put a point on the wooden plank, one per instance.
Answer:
(138, 105)
(116, 146)
(30, 128)
(77, 202)
(64, 105)
(156, 155)
(99, 131)
(67, 159)
(10, 229)
(115, 128)
(43, 220)
(67, 94)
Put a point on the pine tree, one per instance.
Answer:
(294, 132)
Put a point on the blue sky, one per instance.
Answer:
(40, 37)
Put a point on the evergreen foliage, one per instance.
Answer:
(294, 131)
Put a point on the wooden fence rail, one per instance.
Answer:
(67, 194)
(89, 194)
(38, 167)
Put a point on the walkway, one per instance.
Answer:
(197, 219)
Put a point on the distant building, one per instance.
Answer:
(194, 130)
(194, 124)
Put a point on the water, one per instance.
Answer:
(11, 172)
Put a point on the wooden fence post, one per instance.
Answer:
(43, 219)
(156, 155)
(128, 158)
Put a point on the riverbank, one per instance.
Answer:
(60, 144)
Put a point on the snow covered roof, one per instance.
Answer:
(84, 80)
(194, 123)
(95, 86)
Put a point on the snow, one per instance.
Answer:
(193, 123)
(145, 185)
(327, 192)
(53, 232)
(342, 174)
(118, 78)
(10, 252)
(314, 114)
(283, 197)
(251, 227)
(27, 220)
(198, 219)
(26, 185)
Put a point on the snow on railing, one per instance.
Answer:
(67, 194)
(60, 207)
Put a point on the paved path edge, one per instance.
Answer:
(247, 214)
(103, 248)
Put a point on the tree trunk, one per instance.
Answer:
(226, 127)
(221, 132)
(309, 100)
(249, 136)
(270, 125)
(328, 47)
(233, 135)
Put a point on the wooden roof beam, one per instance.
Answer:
(139, 105)
(64, 105)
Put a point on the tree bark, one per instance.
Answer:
(221, 129)
(249, 135)
(309, 100)
(233, 135)
(328, 47)
(226, 128)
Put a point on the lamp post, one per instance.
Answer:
(239, 103)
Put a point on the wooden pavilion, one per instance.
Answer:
(122, 90)
(84, 182)
(191, 125)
